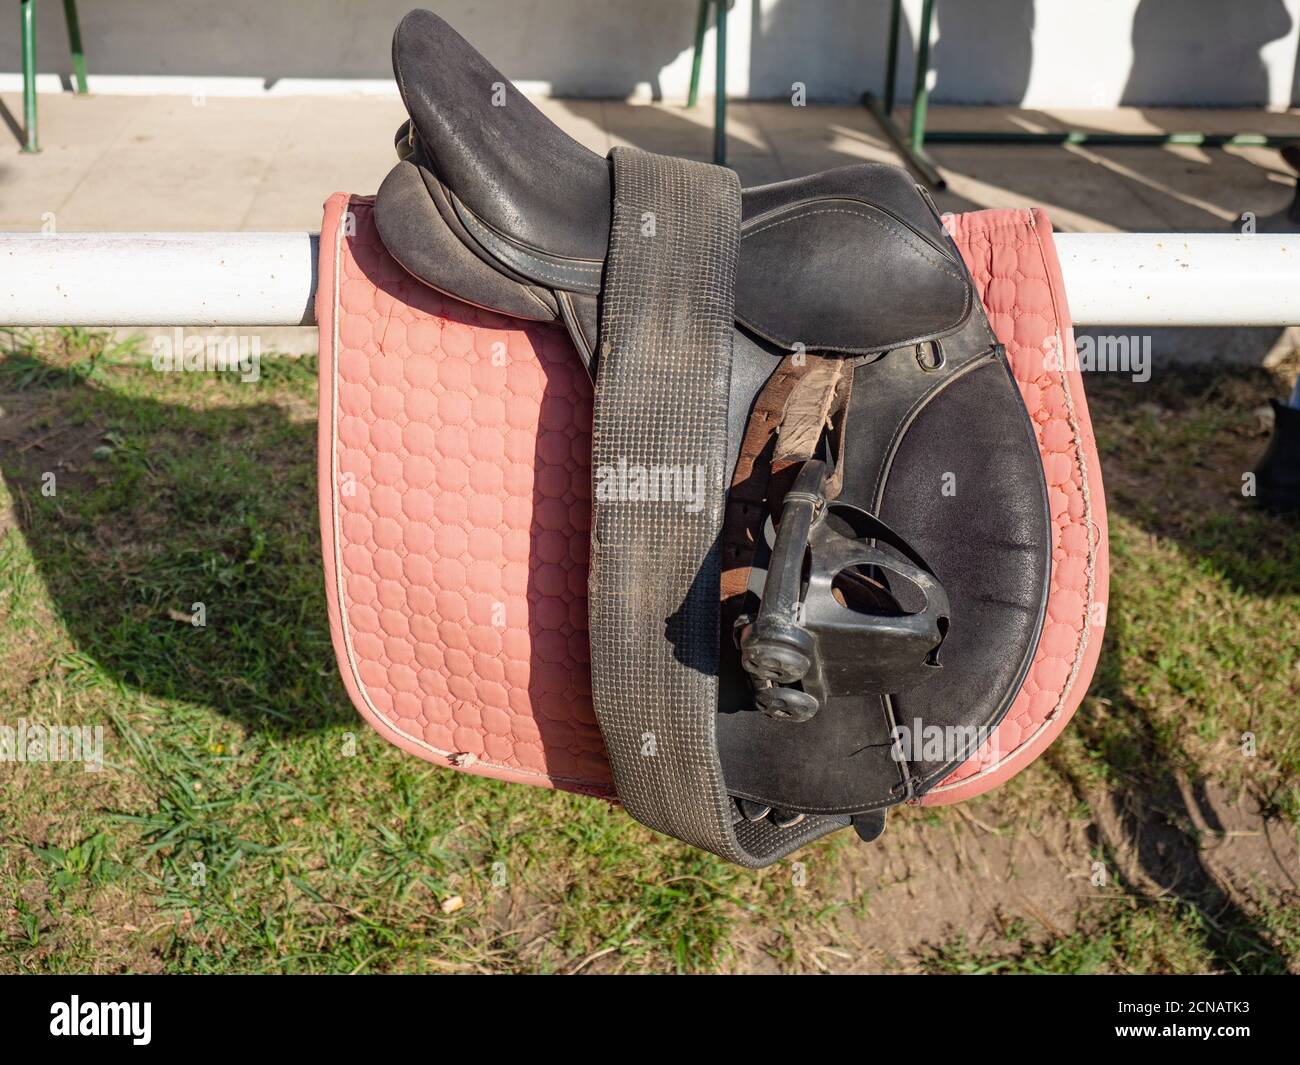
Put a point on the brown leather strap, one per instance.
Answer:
(804, 393)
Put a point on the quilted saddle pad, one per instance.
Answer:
(455, 506)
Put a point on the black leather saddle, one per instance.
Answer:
(821, 540)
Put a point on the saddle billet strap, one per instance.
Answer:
(751, 485)
(779, 435)
(661, 404)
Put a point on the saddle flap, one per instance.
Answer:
(418, 235)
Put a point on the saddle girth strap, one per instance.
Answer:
(660, 468)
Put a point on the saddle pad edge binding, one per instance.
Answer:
(1012, 250)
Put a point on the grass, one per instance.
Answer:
(247, 821)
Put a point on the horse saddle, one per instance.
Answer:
(821, 542)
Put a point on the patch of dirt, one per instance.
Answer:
(1176, 486)
(37, 439)
(927, 884)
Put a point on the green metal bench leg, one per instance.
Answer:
(74, 42)
(27, 20)
(910, 148)
(701, 24)
(720, 93)
(891, 58)
(921, 88)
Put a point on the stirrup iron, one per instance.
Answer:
(834, 618)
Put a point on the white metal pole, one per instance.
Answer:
(1181, 278)
(266, 279)
(126, 279)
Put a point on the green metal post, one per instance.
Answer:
(921, 88)
(912, 149)
(74, 42)
(1112, 140)
(27, 19)
(891, 58)
(701, 24)
(720, 102)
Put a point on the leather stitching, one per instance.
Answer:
(769, 330)
(800, 213)
(909, 416)
(524, 260)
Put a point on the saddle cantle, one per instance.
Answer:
(493, 204)
(821, 529)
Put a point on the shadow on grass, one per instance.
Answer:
(1149, 830)
(1172, 461)
(1174, 454)
(142, 515)
(161, 505)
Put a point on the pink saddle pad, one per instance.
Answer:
(455, 505)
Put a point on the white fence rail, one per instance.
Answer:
(268, 279)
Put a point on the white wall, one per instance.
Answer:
(1042, 53)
